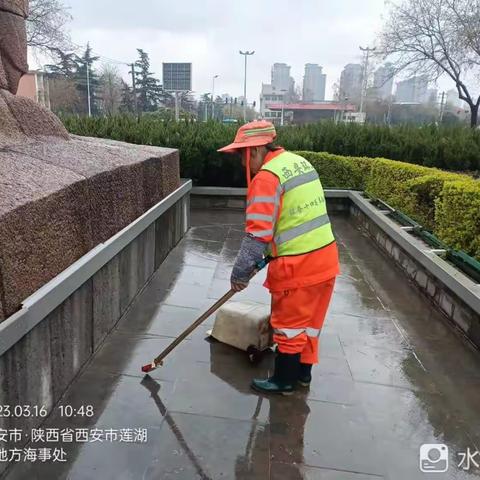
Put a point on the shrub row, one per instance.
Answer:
(457, 216)
(448, 204)
(451, 148)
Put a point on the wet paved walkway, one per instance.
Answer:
(393, 375)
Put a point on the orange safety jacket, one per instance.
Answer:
(285, 272)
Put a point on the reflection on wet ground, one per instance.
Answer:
(393, 375)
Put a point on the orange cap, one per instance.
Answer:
(253, 134)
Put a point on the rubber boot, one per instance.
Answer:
(284, 376)
(305, 374)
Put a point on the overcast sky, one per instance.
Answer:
(209, 33)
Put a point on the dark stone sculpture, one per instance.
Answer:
(13, 43)
(60, 195)
(19, 117)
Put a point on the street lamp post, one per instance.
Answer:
(342, 116)
(213, 96)
(246, 53)
(367, 51)
(88, 89)
(283, 105)
(205, 99)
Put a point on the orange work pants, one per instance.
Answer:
(297, 318)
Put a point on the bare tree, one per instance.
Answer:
(64, 97)
(436, 37)
(110, 89)
(46, 26)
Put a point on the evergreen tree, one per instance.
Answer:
(127, 104)
(66, 66)
(64, 97)
(149, 90)
(204, 108)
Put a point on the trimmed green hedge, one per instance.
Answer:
(337, 171)
(457, 216)
(449, 148)
(448, 204)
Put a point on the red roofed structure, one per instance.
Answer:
(299, 113)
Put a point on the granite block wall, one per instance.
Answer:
(59, 199)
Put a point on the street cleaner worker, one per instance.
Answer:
(286, 218)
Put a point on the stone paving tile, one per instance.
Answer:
(163, 320)
(388, 367)
(357, 306)
(346, 258)
(333, 389)
(254, 293)
(198, 276)
(196, 252)
(330, 346)
(322, 434)
(360, 248)
(346, 286)
(202, 218)
(233, 241)
(352, 273)
(200, 447)
(216, 233)
(118, 400)
(463, 401)
(228, 255)
(466, 366)
(223, 271)
(335, 367)
(218, 287)
(360, 331)
(412, 418)
(233, 397)
(185, 295)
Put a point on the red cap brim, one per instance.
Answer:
(252, 142)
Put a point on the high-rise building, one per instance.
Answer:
(351, 80)
(383, 81)
(413, 90)
(281, 79)
(314, 82)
